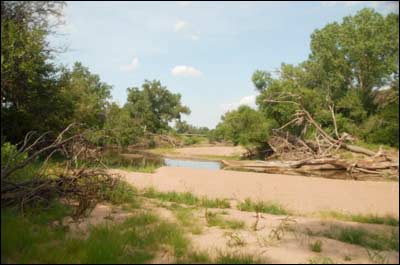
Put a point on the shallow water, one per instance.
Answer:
(172, 162)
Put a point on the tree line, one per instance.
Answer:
(353, 67)
(39, 95)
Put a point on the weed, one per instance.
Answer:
(234, 239)
(262, 207)
(369, 219)
(320, 260)
(316, 246)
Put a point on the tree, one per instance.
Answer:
(244, 126)
(353, 68)
(119, 127)
(29, 94)
(86, 94)
(154, 106)
(362, 52)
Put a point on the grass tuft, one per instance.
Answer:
(215, 219)
(230, 258)
(320, 260)
(186, 198)
(316, 246)
(364, 238)
(368, 219)
(262, 207)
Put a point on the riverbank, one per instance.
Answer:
(300, 194)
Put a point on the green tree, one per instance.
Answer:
(119, 127)
(30, 99)
(86, 94)
(244, 126)
(154, 106)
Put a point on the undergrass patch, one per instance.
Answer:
(120, 193)
(187, 219)
(30, 239)
(231, 258)
(320, 260)
(364, 238)
(262, 207)
(215, 219)
(186, 198)
(369, 219)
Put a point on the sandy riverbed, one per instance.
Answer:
(300, 194)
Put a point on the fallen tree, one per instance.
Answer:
(82, 186)
(293, 153)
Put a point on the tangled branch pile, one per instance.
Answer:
(299, 154)
(81, 187)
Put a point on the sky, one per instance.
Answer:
(206, 51)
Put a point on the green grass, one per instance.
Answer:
(31, 239)
(215, 219)
(186, 198)
(263, 207)
(316, 246)
(364, 238)
(222, 258)
(121, 193)
(320, 260)
(230, 258)
(143, 169)
(187, 219)
(369, 219)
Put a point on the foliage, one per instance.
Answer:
(153, 106)
(353, 66)
(244, 126)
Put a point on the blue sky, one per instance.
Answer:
(206, 51)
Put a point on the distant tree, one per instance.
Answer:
(244, 126)
(154, 106)
(119, 127)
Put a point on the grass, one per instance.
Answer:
(121, 193)
(215, 219)
(137, 240)
(369, 219)
(316, 246)
(320, 260)
(187, 219)
(186, 198)
(230, 258)
(364, 238)
(262, 207)
(222, 258)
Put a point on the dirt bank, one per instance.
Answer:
(300, 194)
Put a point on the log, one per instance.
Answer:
(358, 149)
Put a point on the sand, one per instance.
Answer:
(297, 193)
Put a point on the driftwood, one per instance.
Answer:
(83, 186)
(362, 166)
(296, 153)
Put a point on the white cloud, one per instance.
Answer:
(184, 70)
(195, 37)
(183, 3)
(248, 101)
(130, 67)
(353, 3)
(179, 25)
